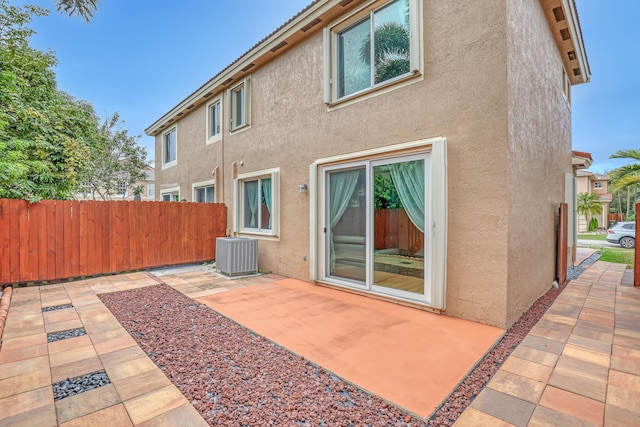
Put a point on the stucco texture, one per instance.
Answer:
(539, 154)
(491, 85)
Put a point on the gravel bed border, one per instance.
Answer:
(56, 307)
(63, 335)
(72, 386)
(470, 386)
(233, 376)
(448, 411)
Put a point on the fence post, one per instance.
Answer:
(636, 256)
(563, 242)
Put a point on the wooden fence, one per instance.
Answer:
(394, 229)
(58, 239)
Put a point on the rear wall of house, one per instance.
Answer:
(539, 154)
(463, 96)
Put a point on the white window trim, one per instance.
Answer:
(170, 190)
(218, 137)
(247, 106)
(330, 66)
(274, 174)
(175, 162)
(149, 184)
(201, 184)
(438, 201)
(598, 185)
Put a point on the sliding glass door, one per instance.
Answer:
(375, 213)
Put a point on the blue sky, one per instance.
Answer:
(141, 61)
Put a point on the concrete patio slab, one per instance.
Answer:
(407, 356)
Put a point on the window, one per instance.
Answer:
(170, 194)
(372, 48)
(256, 203)
(151, 189)
(214, 120)
(239, 110)
(122, 187)
(597, 185)
(169, 148)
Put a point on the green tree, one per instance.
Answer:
(83, 8)
(45, 134)
(627, 176)
(116, 161)
(589, 204)
(391, 48)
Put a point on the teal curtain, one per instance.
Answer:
(266, 194)
(408, 177)
(341, 187)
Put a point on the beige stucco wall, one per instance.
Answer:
(503, 145)
(539, 154)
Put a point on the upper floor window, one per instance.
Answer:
(371, 48)
(151, 189)
(239, 105)
(169, 148)
(214, 120)
(597, 185)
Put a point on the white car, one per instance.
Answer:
(623, 234)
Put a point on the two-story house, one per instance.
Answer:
(392, 148)
(593, 183)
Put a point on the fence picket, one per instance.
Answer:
(59, 239)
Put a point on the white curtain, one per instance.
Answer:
(408, 177)
(266, 193)
(251, 203)
(341, 187)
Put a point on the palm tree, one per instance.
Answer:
(83, 8)
(589, 204)
(627, 176)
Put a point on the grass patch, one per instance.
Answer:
(618, 256)
(592, 236)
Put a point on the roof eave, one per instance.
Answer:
(263, 52)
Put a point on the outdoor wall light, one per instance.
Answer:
(303, 187)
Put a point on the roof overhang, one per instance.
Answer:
(291, 33)
(562, 16)
(581, 160)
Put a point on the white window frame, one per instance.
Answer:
(218, 136)
(122, 187)
(204, 184)
(597, 185)
(330, 68)
(173, 162)
(436, 298)
(246, 107)
(238, 203)
(151, 189)
(170, 191)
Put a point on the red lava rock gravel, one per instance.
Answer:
(471, 386)
(234, 377)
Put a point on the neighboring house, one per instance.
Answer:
(405, 169)
(589, 182)
(125, 191)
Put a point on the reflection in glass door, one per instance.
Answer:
(375, 216)
(346, 220)
(398, 227)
